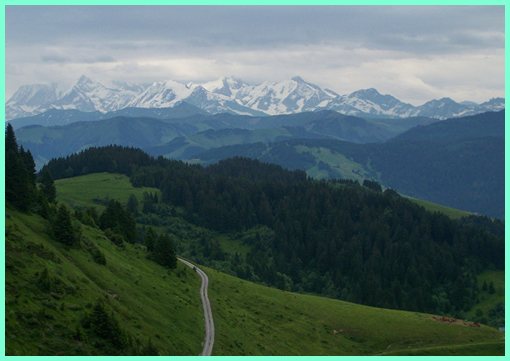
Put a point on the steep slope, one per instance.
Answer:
(149, 302)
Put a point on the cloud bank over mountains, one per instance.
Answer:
(414, 53)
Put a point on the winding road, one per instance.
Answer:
(209, 323)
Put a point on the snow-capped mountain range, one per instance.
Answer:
(231, 95)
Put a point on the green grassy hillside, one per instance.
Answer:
(252, 319)
(490, 308)
(149, 301)
(333, 164)
(90, 190)
(257, 320)
(435, 207)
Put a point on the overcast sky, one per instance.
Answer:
(414, 53)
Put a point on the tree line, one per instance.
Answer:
(340, 239)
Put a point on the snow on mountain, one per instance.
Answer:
(35, 94)
(28, 98)
(162, 95)
(88, 95)
(283, 97)
(231, 95)
(493, 104)
(227, 86)
(444, 108)
(214, 102)
(127, 86)
(372, 102)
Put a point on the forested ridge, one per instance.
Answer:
(336, 238)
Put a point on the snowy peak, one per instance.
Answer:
(373, 102)
(29, 98)
(444, 108)
(494, 104)
(131, 87)
(89, 95)
(441, 102)
(85, 81)
(162, 95)
(369, 94)
(34, 94)
(228, 86)
(231, 95)
(284, 97)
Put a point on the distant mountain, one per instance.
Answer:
(50, 142)
(457, 162)
(184, 130)
(284, 97)
(218, 103)
(231, 95)
(88, 95)
(28, 100)
(55, 117)
(371, 102)
(490, 124)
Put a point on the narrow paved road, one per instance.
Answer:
(209, 323)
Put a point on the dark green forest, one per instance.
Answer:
(336, 238)
(445, 162)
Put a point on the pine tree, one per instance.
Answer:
(150, 239)
(47, 185)
(491, 288)
(20, 188)
(118, 220)
(164, 252)
(132, 204)
(26, 155)
(63, 227)
(10, 140)
(149, 349)
(484, 286)
(104, 325)
(17, 189)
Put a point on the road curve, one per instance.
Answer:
(209, 323)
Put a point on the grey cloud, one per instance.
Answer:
(341, 47)
(54, 58)
(99, 59)
(257, 27)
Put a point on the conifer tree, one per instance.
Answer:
(164, 252)
(19, 181)
(47, 185)
(150, 239)
(10, 140)
(63, 227)
(26, 155)
(132, 204)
